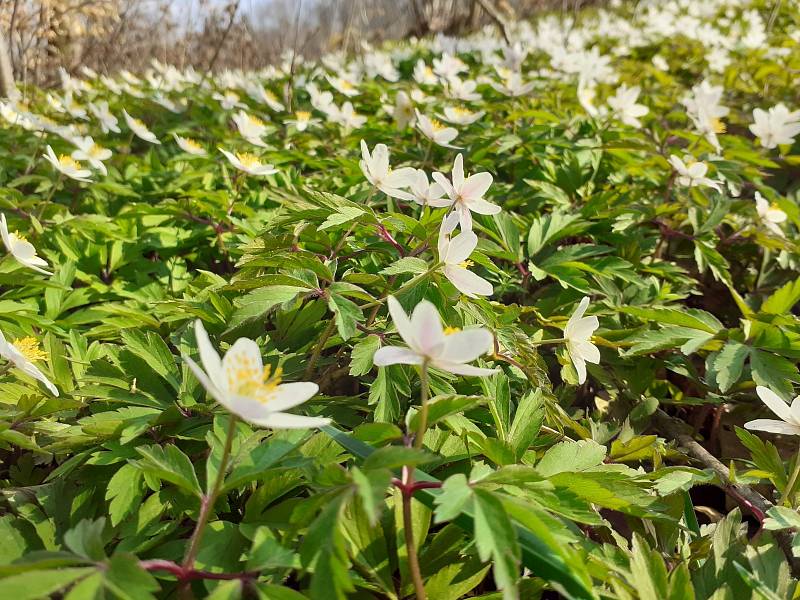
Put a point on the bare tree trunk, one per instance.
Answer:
(7, 87)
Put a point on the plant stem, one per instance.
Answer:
(787, 491)
(207, 501)
(408, 532)
(423, 412)
(312, 362)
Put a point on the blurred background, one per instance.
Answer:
(110, 35)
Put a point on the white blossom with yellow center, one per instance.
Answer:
(21, 249)
(249, 163)
(92, 152)
(252, 128)
(453, 254)
(189, 145)
(241, 383)
(22, 353)
(66, 165)
(140, 129)
(428, 342)
(439, 134)
(461, 116)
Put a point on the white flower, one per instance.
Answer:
(577, 335)
(322, 101)
(68, 166)
(436, 132)
(775, 127)
(789, 423)
(89, 151)
(22, 353)
(140, 129)
(770, 215)
(586, 95)
(462, 90)
(251, 128)
(272, 101)
(660, 63)
(513, 85)
(346, 116)
(466, 194)
(423, 74)
(229, 100)
(461, 116)
(429, 343)
(692, 172)
(242, 384)
(108, 122)
(302, 120)
(448, 66)
(426, 193)
(379, 173)
(623, 105)
(454, 254)
(403, 111)
(249, 163)
(343, 86)
(21, 249)
(189, 145)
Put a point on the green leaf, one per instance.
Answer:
(343, 214)
(361, 355)
(124, 492)
(648, 572)
(128, 580)
(729, 363)
(571, 457)
(35, 585)
(371, 487)
(407, 264)
(495, 539)
(394, 457)
(324, 547)
(348, 314)
(258, 302)
(170, 464)
(783, 299)
(150, 347)
(527, 422)
(774, 372)
(780, 517)
(86, 539)
(456, 492)
(441, 407)
(692, 318)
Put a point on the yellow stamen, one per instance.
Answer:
(451, 330)
(270, 95)
(463, 112)
(249, 382)
(68, 161)
(247, 159)
(466, 264)
(255, 121)
(29, 348)
(16, 236)
(190, 143)
(718, 126)
(437, 125)
(303, 115)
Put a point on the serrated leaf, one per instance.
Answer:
(170, 464)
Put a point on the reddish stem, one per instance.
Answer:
(189, 574)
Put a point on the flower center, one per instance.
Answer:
(68, 161)
(466, 264)
(96, 150)
(451, 330)
(246, 380)
(718, 126)
(190, 143)
(437, 125)
(138, 123)
(303, 115)
(270, 95)
(247, 159)
(255, 121)
(29, 348)
(16, 236)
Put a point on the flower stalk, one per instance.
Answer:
(423, 411)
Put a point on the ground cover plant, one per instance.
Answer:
(508, 316)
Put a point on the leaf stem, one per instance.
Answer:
(423, 412)
(787, 491)
(208, 500)
(312, 362)
(408, 533)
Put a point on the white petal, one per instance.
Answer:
(208, 355)
(204, 380)
(395, 355)
(402, 322)
(476, 185)
(288, 395)
(243, 356)
(580, 367)
(462, 369)
(458, 172)
(428, 330)
(460, 248)
(774, 402)
(286, 421)
(467, 282)
(773, 426)
(483, 207)
(588, 352)
(467, 345)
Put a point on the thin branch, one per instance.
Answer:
(184, 574)
(495, 15)
(744, 495)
